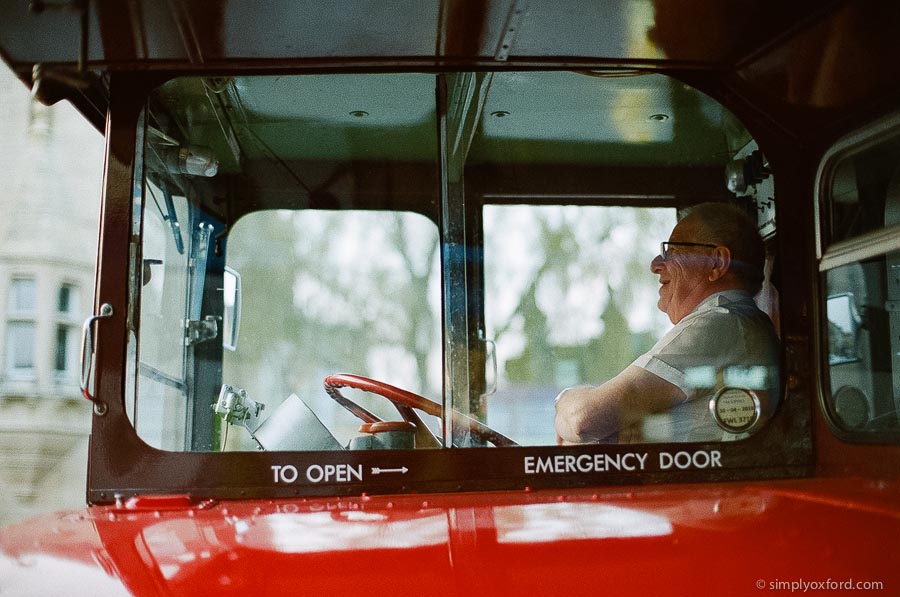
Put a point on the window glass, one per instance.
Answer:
(857, 191)
(330, 305)
(299, 244)
(66, 354)
(422, 261)
(67, 334)
(23, 297)
(21, 328)
(566, 334)
(573, 302)
(570, 300)
(861, 349)
(67, 301)
(62, 346)
(165, 269)
(20, 343)
(861, 313)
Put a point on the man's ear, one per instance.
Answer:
(721, 263)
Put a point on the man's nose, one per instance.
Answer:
(656, 266)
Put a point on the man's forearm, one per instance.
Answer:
(582, 415)
(598, 413)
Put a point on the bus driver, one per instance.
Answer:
(709, 271)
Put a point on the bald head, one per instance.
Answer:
(727, 225)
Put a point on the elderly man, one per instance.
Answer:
(709, 271)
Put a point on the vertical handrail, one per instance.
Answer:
(87, 348)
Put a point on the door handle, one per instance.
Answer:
(87, 348)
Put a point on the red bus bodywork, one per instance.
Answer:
(804, 73)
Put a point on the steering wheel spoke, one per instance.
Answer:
(360, 412)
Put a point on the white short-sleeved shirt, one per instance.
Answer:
(725, 340)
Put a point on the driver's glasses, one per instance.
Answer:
(665, 247)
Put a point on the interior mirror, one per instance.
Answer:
(231, 318)
(843, 329)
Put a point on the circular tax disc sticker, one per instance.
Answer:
(736, 410)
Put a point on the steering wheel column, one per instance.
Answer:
(385, 435)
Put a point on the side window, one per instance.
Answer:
(21, 329)
(162, 379)
(860, 257)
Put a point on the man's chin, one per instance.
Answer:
(663, 305)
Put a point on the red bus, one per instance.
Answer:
(360, 264)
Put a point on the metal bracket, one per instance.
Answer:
(200, 331)
(236, 408)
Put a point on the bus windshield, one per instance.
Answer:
(418, 261)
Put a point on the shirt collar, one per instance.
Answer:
(724, 297)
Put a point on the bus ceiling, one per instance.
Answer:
(778, 52)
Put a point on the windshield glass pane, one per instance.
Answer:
(580, 327)
(289, 233)
(400, 261)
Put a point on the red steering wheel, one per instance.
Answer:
(405, 402)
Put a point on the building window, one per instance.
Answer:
(66, 333)
(23, 297)
(66, 297)
(21, 328)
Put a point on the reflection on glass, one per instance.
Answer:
(862, 345)
(843, 326)
(547, 523)
(859, 201)
(320, 532)
(231, 318)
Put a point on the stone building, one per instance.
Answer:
(52, 162)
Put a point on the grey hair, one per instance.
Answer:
(728, 225)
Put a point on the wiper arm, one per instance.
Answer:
(172, 218)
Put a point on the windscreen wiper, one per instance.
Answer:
(170, 216)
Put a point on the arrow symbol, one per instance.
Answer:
(378, 471)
